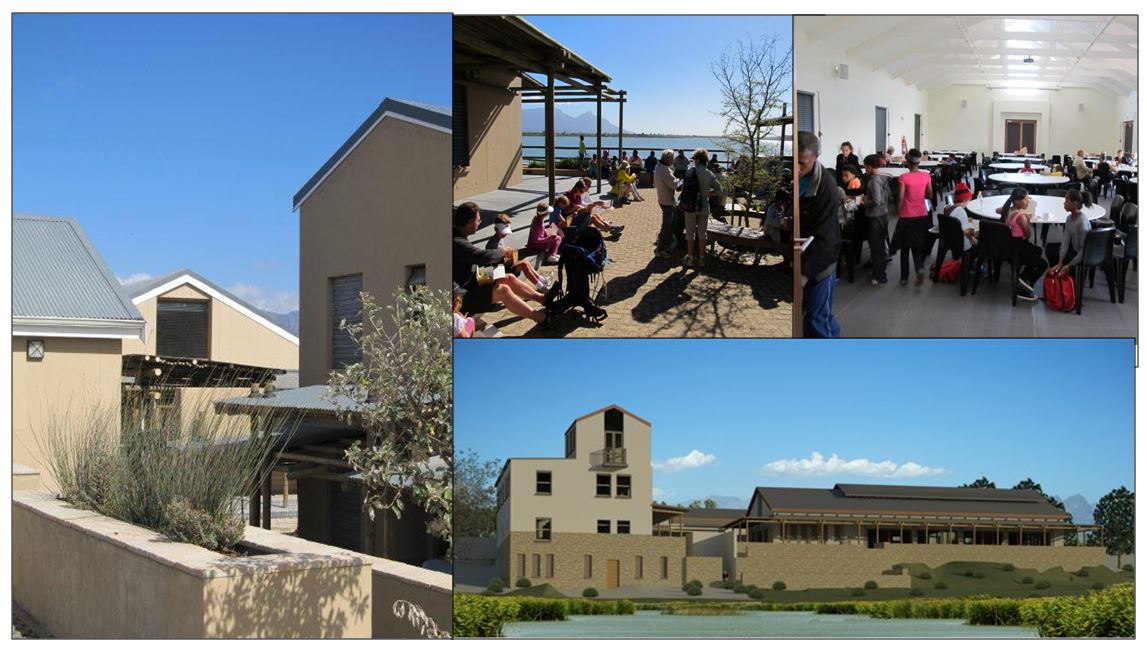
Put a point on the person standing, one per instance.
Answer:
(666, 185)
(911, 234)
(845, 158)
(820, 201)
(876, 195)
(581, 154)
(680, 164)
(696, 206)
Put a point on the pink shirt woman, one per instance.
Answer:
(914, 187)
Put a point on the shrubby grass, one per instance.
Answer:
(481, 616)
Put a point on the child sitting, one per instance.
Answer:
(541, 241)
(775, 216)
(501, 232)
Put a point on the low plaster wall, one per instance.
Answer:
(803, 566)
(432, 592)
(84, 575)
(570, 549)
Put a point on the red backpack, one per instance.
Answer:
(1059, 292)
(950, 271)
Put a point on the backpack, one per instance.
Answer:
(690, 191)
(1059, 292)
(949, 271)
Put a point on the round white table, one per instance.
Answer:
(1127, 169)
(1028, 179)
(1134, 180)
(1019, 159)
(1048, 210)
(893, 171)
(1016, 166)
(930, 163)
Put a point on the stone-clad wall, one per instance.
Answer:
(570, 549)
(803, 566)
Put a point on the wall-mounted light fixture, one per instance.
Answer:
(963, 103)
(841, 70)
(36, 349)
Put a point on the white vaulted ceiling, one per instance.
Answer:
(933, 52)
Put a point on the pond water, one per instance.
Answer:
(647, 624)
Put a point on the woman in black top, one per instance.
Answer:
(845, 157)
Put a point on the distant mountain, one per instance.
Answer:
(1080, 509)
(535, 120)
(288, 321)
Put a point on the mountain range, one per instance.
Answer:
(288, 321)
(534, 120)
(1080, 509)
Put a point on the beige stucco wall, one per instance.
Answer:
(569, 551)
(573, 505)
(76, 378)
(713, 543)
(84, 575)
(235, 337)
(495, 120)
(385, 208)
(802, 565)
(392, 582)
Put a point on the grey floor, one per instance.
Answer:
(938, 310)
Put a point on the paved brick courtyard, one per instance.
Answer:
(651, 297)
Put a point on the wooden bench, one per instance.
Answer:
(743, 237)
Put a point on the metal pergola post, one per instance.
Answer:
(621, 128)
(599, 153)
(551, 167)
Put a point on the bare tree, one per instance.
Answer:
(755, 77)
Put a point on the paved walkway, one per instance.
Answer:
(651, 297)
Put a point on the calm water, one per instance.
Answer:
(534, 145)
(755, 624)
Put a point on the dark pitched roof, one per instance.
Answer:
(711, 517)
(438, 116)
(861, 498)
(57, 273)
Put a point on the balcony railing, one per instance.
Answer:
(609, 458)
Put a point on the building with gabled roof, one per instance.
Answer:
(70, 322)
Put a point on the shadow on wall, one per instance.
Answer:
(497, 102)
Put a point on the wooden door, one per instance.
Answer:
(612, 573)
(1019, 133)
(1129, 136)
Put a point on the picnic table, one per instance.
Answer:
(742, 237)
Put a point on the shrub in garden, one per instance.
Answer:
(589, 593)
(1097, 586)
(1083, 571)
(522, 583)
(1042, 585)
(495, 585)
(926, 575)
(1027, 580)
(693, 590)
(940, 585)
(218, 531)
(1129, 567)
(756, 593)
(779, 585)
(969, 573)
(1008, 567)
(978, 574)
(870, 585)
(741, 588)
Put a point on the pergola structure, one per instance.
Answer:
(511, 43)
(743, 525)
(1019, 51)
(668, 520)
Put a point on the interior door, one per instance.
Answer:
(881, 128)
(1128, 135)
(916, 132)
(1019, 133)
(612, 573)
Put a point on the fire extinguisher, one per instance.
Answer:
(903, 146)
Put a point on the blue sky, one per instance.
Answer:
(179, 140)
(663, 61)
(731, 415)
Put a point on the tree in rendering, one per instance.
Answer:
(707, 503)
(1115, 512)
(475, 499)
(755, 80)
(403, 389)
(982, 482)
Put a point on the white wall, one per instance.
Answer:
(1061, 127)
(846, 108)
(1126, 108)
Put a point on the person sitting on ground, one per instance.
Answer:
(959, 210)
(680, 164)
(1017, 211)
(876, 195)
(912, 227)
(651, 161)
(576, 198)
(480, 295)
(593, 166)
(844, 158)
(540, 241)
(1082, 171)
(775, 215)
(502, 230)
(624, 185)
(635, 162)
(1070, 252)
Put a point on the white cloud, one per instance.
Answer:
(817, 465)
(694, 459)
(662, 495)
(278, 302)
(134, 278)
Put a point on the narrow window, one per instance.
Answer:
(460, 133)
(543, 528)
(623, 526)
(639, 567)
(537, 566)
(182, 328)
(415, 276)
(623, 485)
(604, 485)
(588, 566)
(346, 308)
(521, 565)
(603, 526)
(549, 566)
(664, 567)
(545, 483)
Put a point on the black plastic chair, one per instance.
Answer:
(1116, 212)
(1055, 192)
(1097, 253)
(996, 246)
(1130, 217)
(1127, 253)
(1056, 160)
(952, 239)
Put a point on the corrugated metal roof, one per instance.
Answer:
(58, 273)
(439, 116)
(310, 398)
(801, 500)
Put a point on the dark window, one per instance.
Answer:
(346, 306)
(664, 567)
(604, 486)
(614, 440)
(461, 127)
(571, 442)
(543, 528)
(623, 483)
(603, 526)
(614, 420)
(549, 566)
(587, 566)
(638, 567)
(545, 483)
(182, 328)
(537, 565)
(623, 526)
(415, 276)
(805, 118)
